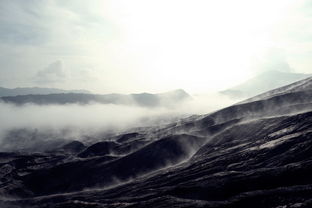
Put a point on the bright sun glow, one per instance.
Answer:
(124, 46)
(197, 44)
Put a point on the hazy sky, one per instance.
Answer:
(146, 45)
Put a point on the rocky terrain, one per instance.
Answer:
(257, 153)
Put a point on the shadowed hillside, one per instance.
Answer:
(257, 153)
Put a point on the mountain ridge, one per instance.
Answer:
(263, 82)
(252, 154)
(141, 99)
(35, 90)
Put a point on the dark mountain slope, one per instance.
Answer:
(263, 163)
(159, 154)
(254, 154)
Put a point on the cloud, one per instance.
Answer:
(273, 59)
(19, 24)
(35, 33)
(47, 124)
(207, 49)
(53, 73)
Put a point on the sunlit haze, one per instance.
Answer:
(152, 46)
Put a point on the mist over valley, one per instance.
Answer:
(155, 104)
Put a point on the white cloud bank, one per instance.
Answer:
(78, 121)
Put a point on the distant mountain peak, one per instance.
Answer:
(263, 82)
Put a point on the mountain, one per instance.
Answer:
(263, 82)
(143, 99)
(35, 91)
(257, 153)
(301, 85)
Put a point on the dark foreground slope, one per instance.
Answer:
(253, 154)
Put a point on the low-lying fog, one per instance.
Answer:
(26, 126)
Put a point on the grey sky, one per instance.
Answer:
(122, 46)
